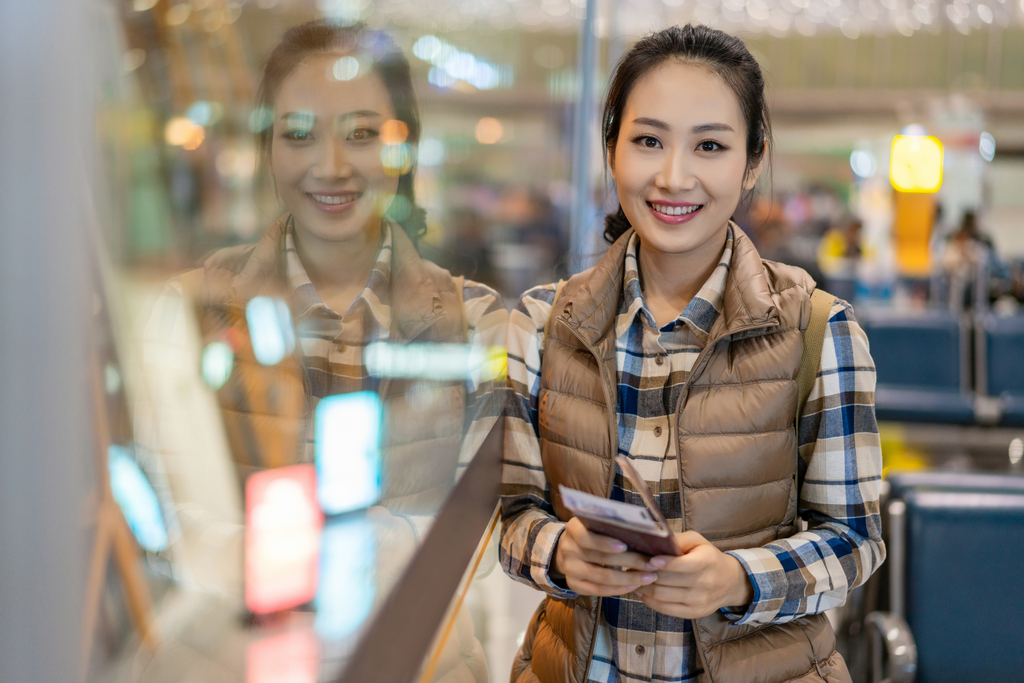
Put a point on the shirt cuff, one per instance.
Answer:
(770, 583)
(543, 555)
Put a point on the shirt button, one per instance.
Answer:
(660, 360)
(640, 649)
(657, 430)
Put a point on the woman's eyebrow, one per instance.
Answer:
(365, 113)
(712, 128)
(653, 123)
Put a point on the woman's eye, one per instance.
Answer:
(648, 142)
(362, 134)
(298, 135)
(709, 146)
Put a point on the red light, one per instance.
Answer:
(284, 658)
(282, 538)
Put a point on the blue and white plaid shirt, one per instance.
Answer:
(804, 574)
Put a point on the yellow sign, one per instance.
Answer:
(916, 163)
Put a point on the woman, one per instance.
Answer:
(680, 350)
(340, 128)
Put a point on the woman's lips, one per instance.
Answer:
(334, 202)
(674, 214)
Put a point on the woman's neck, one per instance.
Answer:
(670, 281)
(338, 269)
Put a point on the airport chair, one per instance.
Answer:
(1000, 366)
(923, 365)
(956, 598)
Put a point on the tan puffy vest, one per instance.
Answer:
(266, 408)
(737, 446)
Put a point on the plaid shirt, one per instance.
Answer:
(332, 344)
(805, 574)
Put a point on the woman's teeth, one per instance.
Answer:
(334, 198)
(675, 210)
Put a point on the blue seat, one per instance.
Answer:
(900, 483)
(956, 549)
(965, 591)
(1004, 365)
(920, 363)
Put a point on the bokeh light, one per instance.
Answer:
(346, 68)
(394, 132)
(489, 130)
(270, 329)
(348, 458)
(397, 159)
(432, 152)
(987, 146)
(863, 163)
(183, 132)
(217, 363)
(916, 163)
(137, 500)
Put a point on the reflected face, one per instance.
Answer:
(680, 161)
(326, 150)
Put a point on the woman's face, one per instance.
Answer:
(326, 150)
(680, 161)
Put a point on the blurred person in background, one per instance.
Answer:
(341, 129)
(680, 351)
(967, 253)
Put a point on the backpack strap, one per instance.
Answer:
(814, 339)
(554, 302)
(460, 286)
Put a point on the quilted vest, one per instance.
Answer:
(737, 445)
(266, 408)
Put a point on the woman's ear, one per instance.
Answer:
(752, 174)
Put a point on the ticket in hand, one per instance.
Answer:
(641, 527)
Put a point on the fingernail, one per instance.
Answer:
(656, 563)
(648, 578)
(618, 547)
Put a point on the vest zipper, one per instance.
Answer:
(614, 444)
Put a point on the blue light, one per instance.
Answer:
(201, 113)
(137, 500)
(270, 328)
(348, 434)
(217, 362)
(346, 590)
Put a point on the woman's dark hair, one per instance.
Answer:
(321, 37)
(710, 48)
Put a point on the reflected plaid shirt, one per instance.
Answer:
(804, 574)
(332, 344)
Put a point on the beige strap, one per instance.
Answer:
(814, 339)
(554, 302)
(192, 283)
(460, 286)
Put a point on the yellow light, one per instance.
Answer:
(916, 163)
(183, 132)
(394, 132)
(488, 131)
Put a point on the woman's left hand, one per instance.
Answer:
(697, 583)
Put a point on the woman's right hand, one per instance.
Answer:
(593, 564)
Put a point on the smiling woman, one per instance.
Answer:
(683, 352)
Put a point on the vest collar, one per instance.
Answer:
(415, 299)
(747, 302)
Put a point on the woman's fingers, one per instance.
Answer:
(626, 560)
(587, 539)
(589, 588)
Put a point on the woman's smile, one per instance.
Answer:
(674, 213)
(334, 202)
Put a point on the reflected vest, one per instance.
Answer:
(736, 429)
(266, 408)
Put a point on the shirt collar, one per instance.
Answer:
(375, 295)
(702, 311)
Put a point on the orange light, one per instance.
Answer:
(489, 131)
(394, 132)
(282, 538)
(183, 132)
(916, 163)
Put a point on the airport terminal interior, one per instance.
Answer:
(209, 475)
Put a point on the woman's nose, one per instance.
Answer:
(677, 173)
(333, 161)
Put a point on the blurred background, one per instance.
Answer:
(129, 154)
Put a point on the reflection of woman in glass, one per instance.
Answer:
(681, 351)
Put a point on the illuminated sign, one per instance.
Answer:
(270, 328)
(290, 657)
(916, 163)
(348, 560)
(436, 361)
(348, 433)
(282, 538)
(137, 500)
